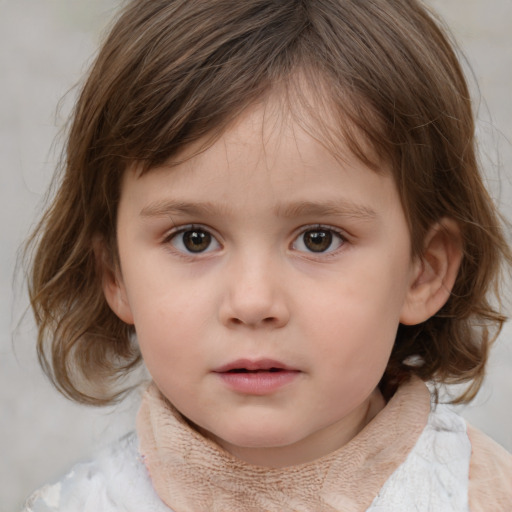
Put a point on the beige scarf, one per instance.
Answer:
(193, 474)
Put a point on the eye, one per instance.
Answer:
(318, 240)
(193, 240)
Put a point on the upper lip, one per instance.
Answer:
(254, 365)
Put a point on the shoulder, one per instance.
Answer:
(434, 475)
(490, 474)
(452, 467)
(115, 480)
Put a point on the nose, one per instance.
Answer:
(254, 294)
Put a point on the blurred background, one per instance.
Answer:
(45, 46)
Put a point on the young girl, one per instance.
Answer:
(277, 206)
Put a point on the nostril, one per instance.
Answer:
(265, 321)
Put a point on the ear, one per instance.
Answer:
(112, 281)
(434, 273)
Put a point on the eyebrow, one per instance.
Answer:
(329, 208)
(168, 208)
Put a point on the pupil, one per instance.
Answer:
(318, 241)
(196, 241)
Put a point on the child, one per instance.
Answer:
(277, 206)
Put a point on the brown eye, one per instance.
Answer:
(194, 240)
(318, 241)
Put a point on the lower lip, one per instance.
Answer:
(258, 383)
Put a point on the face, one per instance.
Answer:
(266, 281)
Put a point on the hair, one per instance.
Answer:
(173, 72)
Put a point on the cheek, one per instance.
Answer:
(174, 322)
(357, 305)
(167, 323)
(356, 319)
(160, 294)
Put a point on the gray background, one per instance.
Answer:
(45, 46)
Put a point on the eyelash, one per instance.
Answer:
(333, 234)
(174, 235)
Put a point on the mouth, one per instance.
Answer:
(245, 370)
(261, 377)
(258, 366)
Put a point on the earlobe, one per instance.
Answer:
(112, 282)
(434, 274)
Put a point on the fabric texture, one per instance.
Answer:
(191, 473)
(490, 474)
(408, 458)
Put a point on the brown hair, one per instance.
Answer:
(174, 71)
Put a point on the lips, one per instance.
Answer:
(256, 377)
(249, 366)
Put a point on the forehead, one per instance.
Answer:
(298, 107)
(268, 159)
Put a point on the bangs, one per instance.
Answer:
(338, 122)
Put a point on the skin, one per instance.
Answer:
(256, 290)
